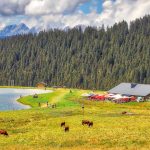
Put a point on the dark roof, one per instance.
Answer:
(131, 89)
(42, 83)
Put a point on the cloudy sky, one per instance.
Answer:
(45, 14)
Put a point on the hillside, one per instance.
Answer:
(95, 58)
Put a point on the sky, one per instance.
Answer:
(45, 14)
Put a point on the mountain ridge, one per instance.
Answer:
(14, 29)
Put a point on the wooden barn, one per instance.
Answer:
(41, 85)
(132, 89)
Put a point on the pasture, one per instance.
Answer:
(39, 128)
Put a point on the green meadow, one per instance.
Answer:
(39, 127)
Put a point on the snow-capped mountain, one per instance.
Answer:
(12, 30)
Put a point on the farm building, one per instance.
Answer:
(132, 89)
(41, 85)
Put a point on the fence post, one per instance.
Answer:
(83, 109)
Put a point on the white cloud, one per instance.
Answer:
(13, 7)
(2, 25)
(46, 14)
(124, 10)
(44, 7)
(38, 7)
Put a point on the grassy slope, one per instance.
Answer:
(59, 97)
(39, 128)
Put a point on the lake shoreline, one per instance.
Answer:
(10, 97)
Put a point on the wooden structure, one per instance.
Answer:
(41, 85)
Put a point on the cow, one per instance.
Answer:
(124, 112)
(62, 124)
(4, 132)
(91, 124)
(66, 129)
(85, 122)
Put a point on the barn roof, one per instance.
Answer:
(131, 89)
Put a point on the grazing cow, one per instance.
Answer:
(62, 124)
(124, 112)
(3, 132)
(91, 124)
(85, 122)
(66, 129)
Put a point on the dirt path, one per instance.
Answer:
(56, 96)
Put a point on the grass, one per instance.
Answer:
(39, 128)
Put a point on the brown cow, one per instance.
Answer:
(66, 129)
(124, 112)
(3, 132)
(91, 124)
(62, 124)
(85, 122)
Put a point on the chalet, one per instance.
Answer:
(41, 85)
(132, 89)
